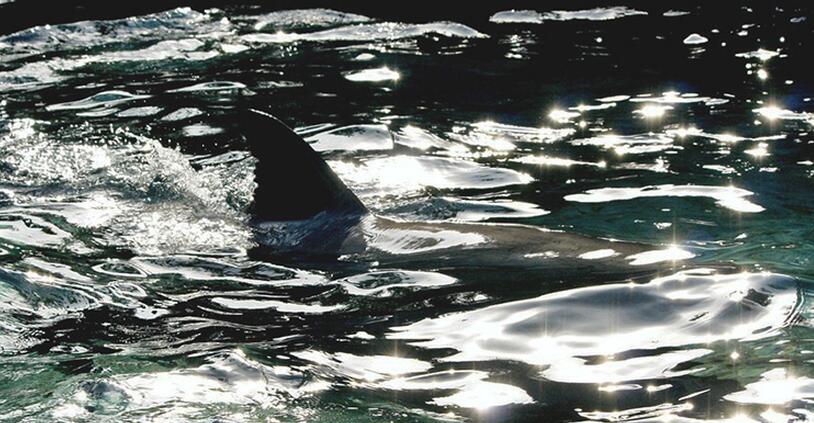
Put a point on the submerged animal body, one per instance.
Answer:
(302, 207)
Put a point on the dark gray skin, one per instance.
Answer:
(330, 220)
(395, 243)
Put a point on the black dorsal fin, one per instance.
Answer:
(293, 181)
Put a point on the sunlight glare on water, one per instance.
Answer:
(578, 213)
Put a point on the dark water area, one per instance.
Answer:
(578, 212)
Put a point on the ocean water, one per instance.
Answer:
(133, 288)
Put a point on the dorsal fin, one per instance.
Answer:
(293, 181)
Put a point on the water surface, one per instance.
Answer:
(132, 287)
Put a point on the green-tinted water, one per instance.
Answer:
(132, 287)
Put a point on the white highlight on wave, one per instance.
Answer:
(729, 197)
(564, 330)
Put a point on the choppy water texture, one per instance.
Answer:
(132, 288)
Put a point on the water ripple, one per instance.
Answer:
(561, 329)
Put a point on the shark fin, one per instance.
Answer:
(293, 181)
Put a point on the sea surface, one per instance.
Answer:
(132, 288)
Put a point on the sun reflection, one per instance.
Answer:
(685, 131)
(658, 388)
(374, 75)
(760, 54)
(598, 254)
(771, 112)
(776, 387)
(228, 381)
(364, 368)
(602, 321)
(562, 116)
(485, 395)
(730, 138)
(772, 416)
(652, 111)
(557, 161)
(402, 174)
(672, 253)
(694, 39)
(729, 197)
(761, 150)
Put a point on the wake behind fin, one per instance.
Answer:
(293, 181)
